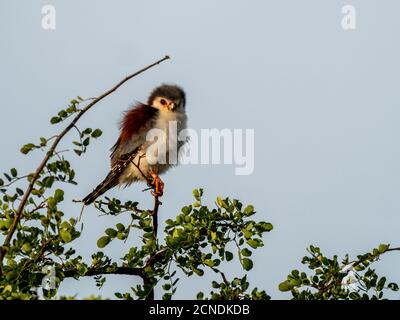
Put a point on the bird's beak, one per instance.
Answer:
(172, 106)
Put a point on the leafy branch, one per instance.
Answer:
(333, 280)
(20, 210)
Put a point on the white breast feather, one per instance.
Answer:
(132, 173)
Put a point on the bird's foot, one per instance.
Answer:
(157, 185)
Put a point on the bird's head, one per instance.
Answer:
(168, 98)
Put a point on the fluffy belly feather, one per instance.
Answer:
(142, 168)
(148, 158)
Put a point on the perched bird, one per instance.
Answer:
(131, 154)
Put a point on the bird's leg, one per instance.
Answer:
(157, 184)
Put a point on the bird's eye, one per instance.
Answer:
(163, 102)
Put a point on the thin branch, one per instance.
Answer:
(140, 170)
(393, 249)
(14, 181)
(154, 257)
(38, 257)
(155, 215)
(224, 278)
(104, 271)
(53, 147)
(357, 262)
(39, 206)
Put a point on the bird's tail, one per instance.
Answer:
(112, 178)
(103, 187)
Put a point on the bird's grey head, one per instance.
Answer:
(168, 97)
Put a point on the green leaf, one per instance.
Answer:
(246, 252)
(65, 235)
(48, 182)
(200, 296)
(111, 232)
(253, 243)
(51, 202)
(382, 248)
(248, 234)
(71, 109)
(285, 286)
(266, 226)
(359, 267)
(87, 131)
(196, 194)
(228, 255)
(393, 286)
(96, 133)
(43, 141)
(166, 286)
(249, 210)
(118, 295)
(103, 241)
(65, 225)
(354, 296)
(199, 272)
(247, 264)
(186, 209)
(55, 120)
(27, 148)
(14, 172)
(11, 275)
(120, 227)
(121, 236)
(27, 247)
(209, 262)
(167, 296)
(381, 284)
(86, 142)
(59, 195)
(62, 114)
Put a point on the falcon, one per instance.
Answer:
(132, 156)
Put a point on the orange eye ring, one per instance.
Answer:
(163, 102)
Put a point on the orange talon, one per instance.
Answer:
(157, 184)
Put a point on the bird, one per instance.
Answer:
(132, 156)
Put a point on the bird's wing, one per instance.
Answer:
(134, 127)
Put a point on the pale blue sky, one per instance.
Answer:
(324, 104)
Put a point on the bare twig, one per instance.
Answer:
(224, 278)
(140, 170)
(357, 262)
(154, 257)
(14, 181)
(20, 210)
(154, 214)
